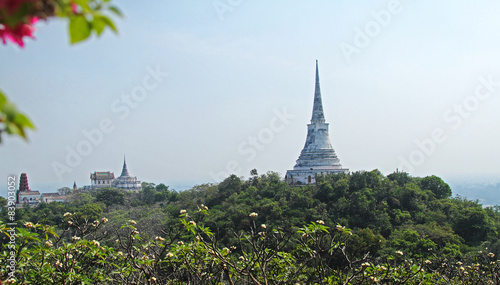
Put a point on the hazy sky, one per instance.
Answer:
(190, 90)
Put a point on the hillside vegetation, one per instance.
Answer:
(348, 228)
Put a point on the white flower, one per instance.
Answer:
(170, 255)
(104, 220)
(183, 212)
(203, 207)
(29, 225)
(180, 242)
(192, 223)
(428, 262)
(94, 242)
(67, 214)
(491, 254)
(399, 252)
(75, 238)
(132, 222)
(48, 243)
(159, 239)
(366, 264)
(263, 226)
(58, 263)
(253, 215)
(320, 222)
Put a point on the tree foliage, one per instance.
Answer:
(348, 228)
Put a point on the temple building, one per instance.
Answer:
(317, 156)
(53, 197)
(101, 179)
(25, 196)
(107, 179)
(125, 181)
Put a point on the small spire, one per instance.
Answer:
(124, 170)
(317, 115)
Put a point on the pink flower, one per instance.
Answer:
(17, 34)
(74, 8)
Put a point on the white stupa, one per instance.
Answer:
(317, 156)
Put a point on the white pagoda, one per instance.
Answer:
(125, 181)
(317, 156)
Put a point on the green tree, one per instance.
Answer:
(436, 185)
(3, 202)
(90, 212)
(65, 191)
(473, 225)
(401, 178)
(110, 196)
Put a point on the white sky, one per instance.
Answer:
(229, 73)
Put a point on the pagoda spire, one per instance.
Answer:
(124, 169)
(317, 116)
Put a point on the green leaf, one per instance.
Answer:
(3, 99)
(23, 121)
(116, 11)
(110, 23)
(14, 129)
(99, 24)
(84, 4)
(10, 111)
(79, 29)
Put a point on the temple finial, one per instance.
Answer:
(317, 115)
(124, 170)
